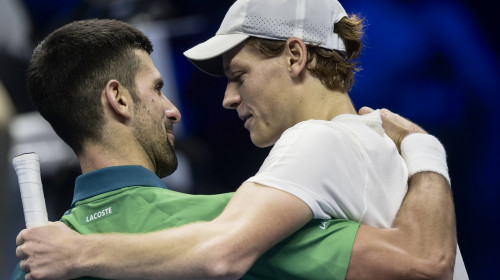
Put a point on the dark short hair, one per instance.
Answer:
(70, 68)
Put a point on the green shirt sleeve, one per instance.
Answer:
(320, 250)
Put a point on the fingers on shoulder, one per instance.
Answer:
(400, 124)
(388, 115)
(365, 110)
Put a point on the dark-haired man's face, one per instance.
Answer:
(154, 118)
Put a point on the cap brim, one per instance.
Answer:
(208, 55)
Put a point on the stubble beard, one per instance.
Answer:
(158, 147)
(168, 162)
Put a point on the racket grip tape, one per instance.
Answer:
(27, 167)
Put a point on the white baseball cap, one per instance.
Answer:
(312, 21)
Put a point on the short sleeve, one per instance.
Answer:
(315, 161)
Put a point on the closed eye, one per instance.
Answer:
(159, 87)
(237, 78)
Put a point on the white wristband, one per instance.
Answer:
(423, 152)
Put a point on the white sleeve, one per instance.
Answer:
(316, 163)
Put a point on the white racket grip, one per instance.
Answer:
(27, 167)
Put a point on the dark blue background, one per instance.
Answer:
(435, 62)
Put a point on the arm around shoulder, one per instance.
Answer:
(422, 242)
(255, 219)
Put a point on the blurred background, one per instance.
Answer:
(435, 62)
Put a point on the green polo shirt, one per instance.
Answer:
(134, 200)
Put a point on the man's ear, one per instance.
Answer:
(118, 98)
(296, 51)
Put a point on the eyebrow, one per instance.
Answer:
(228, 68)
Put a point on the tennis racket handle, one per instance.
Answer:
(27, 167)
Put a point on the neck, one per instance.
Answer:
(117, 153)
(320, 103)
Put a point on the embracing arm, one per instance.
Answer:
(224, 248)
(422, 242)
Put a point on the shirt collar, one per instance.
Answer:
(112, 178)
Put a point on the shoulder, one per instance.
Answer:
(343, 133)
(340, 126)
(313, 130)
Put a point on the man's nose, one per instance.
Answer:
(232, 98)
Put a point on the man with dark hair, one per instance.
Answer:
(135, 139)
(75, 62)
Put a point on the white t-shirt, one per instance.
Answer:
(344, 168)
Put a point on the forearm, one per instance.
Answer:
(431, 226)
(224, 248)
(190, 252)
(422, 242)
